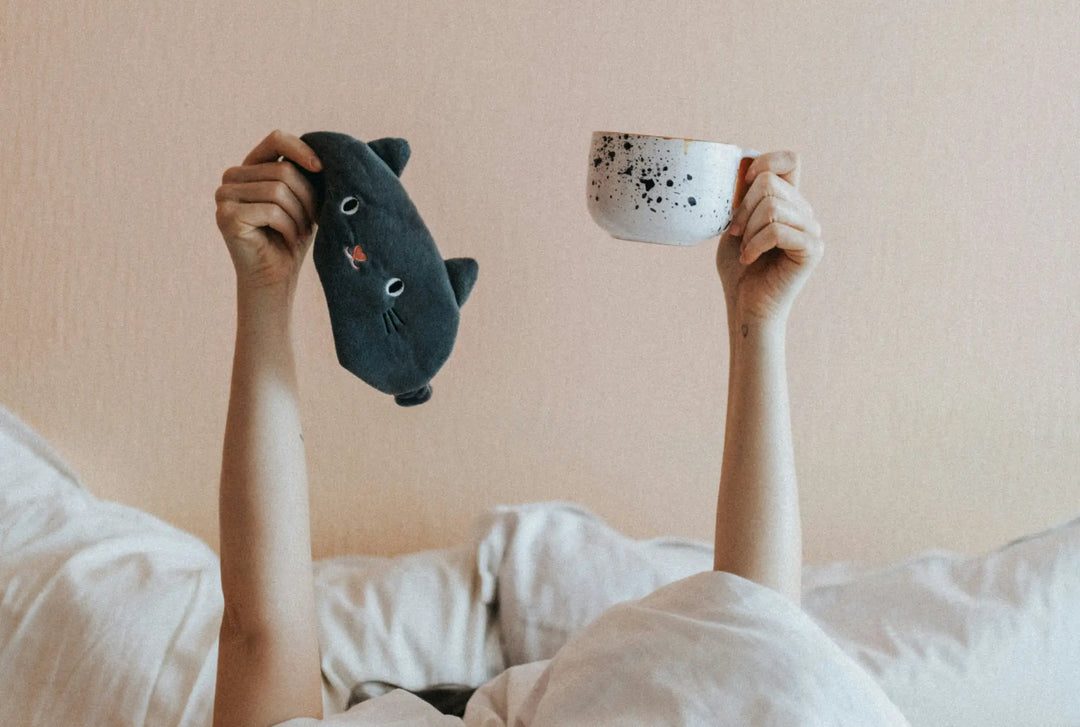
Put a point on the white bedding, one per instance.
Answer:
(109, 617)
(712, 649)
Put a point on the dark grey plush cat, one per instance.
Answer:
(394, 302)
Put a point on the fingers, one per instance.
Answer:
(784, 164)
(234, 218)
(799, 245)
(275, 193)
(263, 180)
(280, 144)
(772, 174)
(795, 213)
(773, 213)
(269, 182)
(767, 187)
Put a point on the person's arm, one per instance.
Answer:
(763, 260)
(268, 658)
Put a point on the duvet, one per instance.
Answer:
(711, 649)
(109, 616)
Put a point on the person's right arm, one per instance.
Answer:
(268, 657)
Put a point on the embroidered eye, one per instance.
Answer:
(394, 287)
(350, 205)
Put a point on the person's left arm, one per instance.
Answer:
(764, 259)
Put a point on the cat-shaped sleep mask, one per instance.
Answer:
(394, 302)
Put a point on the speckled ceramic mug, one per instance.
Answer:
(664, 189)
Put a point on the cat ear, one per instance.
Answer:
(394, 152)
(462, 272)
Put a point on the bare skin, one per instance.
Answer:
(268, 659)
(764, 259)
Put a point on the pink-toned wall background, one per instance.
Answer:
(934, 359)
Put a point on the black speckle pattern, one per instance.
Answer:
(647, 168)
(629, 170)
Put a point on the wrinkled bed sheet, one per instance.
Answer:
(711, 649)
(110, 616)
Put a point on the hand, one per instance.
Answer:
(773, 243)
(266, 210)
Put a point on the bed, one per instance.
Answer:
(109, 616)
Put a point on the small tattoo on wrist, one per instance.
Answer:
(745, 330)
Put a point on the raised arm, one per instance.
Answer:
(268, 659)
(764, 259)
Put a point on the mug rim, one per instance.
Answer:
(665, 138)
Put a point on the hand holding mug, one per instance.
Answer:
(773, 243)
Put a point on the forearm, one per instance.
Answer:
(758, 530)
(269, 658)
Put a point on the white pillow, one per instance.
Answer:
(557, 567)
(956, 641)
(108, 616)
(415, 621)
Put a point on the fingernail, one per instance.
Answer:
(736, 229)
(316, 165)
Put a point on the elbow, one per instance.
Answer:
(241, 633)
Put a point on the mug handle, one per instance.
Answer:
(748, 156)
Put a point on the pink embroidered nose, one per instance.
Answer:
(358, 255)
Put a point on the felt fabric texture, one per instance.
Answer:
(394, 302)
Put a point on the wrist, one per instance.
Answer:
(256, 293)
(264, 311)
(255, 278)
(746, 327)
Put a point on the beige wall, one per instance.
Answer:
(934, 357)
